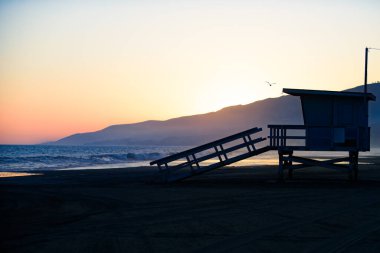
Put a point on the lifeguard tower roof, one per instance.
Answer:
(300, 92)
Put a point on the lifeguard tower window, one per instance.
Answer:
(316, 112)
(344, 106)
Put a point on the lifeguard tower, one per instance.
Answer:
(333, 121)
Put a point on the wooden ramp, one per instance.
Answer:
(210, 156)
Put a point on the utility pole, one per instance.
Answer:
(365, 69)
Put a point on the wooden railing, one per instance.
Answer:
(320, 137)
(278, 134)
(192, 158)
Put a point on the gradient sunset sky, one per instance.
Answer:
(79, 66)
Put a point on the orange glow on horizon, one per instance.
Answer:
(69, 66)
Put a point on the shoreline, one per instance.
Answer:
(363, 160)
(35, 164)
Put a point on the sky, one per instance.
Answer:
(79, 66)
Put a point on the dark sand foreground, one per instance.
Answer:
(227, 210)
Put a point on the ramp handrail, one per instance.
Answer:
(209, 145)
(194, 156)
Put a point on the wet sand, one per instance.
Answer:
(232, 209)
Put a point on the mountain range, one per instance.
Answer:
(201, 128)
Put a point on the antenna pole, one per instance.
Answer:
(365, 69)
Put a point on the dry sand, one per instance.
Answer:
(227, 210)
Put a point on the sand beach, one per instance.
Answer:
(233, 209)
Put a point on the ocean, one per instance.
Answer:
(40, 157)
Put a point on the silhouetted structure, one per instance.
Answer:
(333, 121)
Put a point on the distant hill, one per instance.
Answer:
(197, 129)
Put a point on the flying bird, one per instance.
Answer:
(270, 84)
